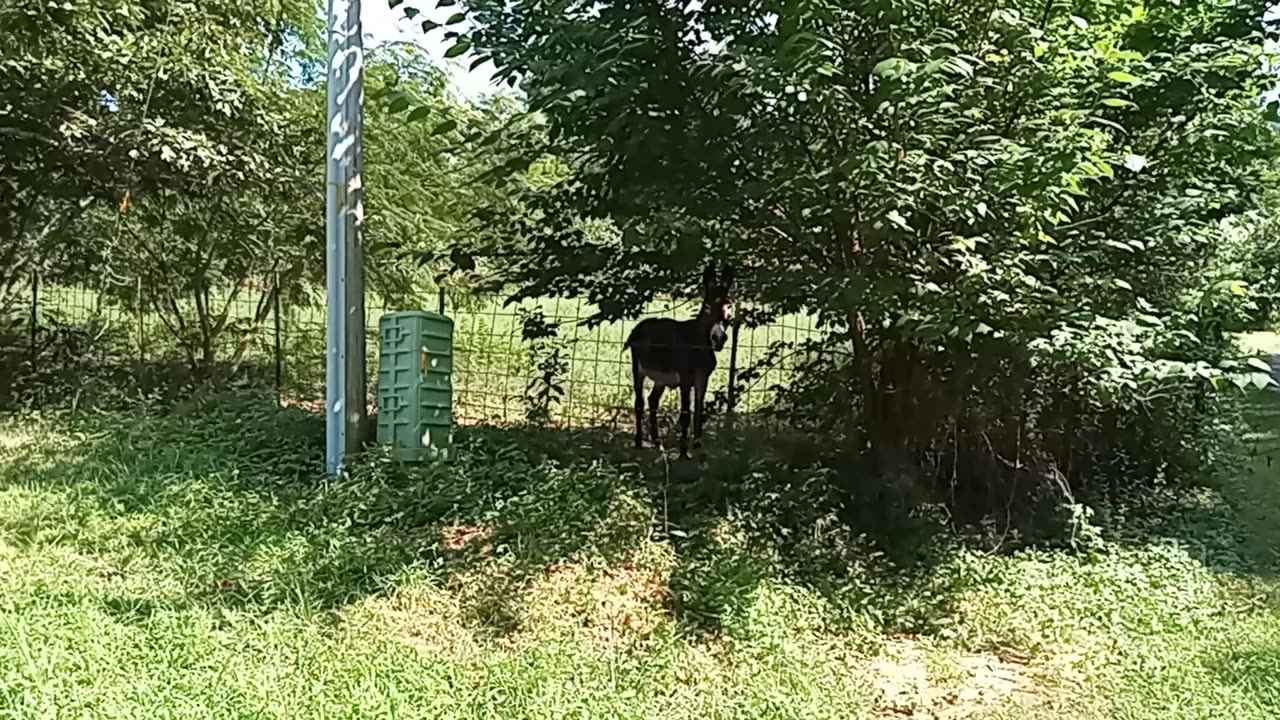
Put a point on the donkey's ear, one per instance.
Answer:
(709, 276)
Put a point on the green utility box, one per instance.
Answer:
(415, 390)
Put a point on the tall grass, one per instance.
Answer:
(196, 564)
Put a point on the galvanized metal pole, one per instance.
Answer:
(357, 386)
(344, 365)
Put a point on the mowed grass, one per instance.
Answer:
(194, 564)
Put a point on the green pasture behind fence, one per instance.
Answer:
(580, 376)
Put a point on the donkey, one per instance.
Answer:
(680, 353)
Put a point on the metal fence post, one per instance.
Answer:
(733, 376)
(142, 327)
(35, 315)
(279, 347)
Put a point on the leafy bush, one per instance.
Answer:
(1005, 219)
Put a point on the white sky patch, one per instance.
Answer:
(383, 25)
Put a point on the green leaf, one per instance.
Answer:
(398, 105)
(1123, 284)
(458, 48)
(455, 18)
(411, 13)
(1259, 364)
(429, 25)
(1117, 103)
(960, 66)
(419, 113)
(893, 67)
(445, 127)
(1261, 380)
(1123, 77)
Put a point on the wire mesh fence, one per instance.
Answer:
(574, 375)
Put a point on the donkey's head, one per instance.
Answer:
(717, 307)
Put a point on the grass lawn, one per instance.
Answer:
(193, 565)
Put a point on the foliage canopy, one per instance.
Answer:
(1019, 195)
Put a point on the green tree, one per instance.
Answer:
(1246, 268)
(982, 204)
(199, 247)
(426, 156)
(417, 195)
(105, 99)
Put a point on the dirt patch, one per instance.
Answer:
(630, 603)
(457, 538)
(617, 606)
(311, 405)
(912, 683)
(428, 619)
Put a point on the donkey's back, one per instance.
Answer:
(670, 347)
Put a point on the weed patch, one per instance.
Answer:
(198, 563)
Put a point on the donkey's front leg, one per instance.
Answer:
(699, 404)
(685, 391)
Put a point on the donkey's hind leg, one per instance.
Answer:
(637, 379)
(685, 389)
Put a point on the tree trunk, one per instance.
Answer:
(869, 413)
(259, 317)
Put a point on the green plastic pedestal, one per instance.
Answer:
(415, 390)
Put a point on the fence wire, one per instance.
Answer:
(569, 374)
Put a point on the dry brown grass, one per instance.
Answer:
(913, 682)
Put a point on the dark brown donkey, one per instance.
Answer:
(680, 353)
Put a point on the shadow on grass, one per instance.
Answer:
(92, 382)
(1231, 524)
(227, 491)
(1255, 674)
(1256, 490)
